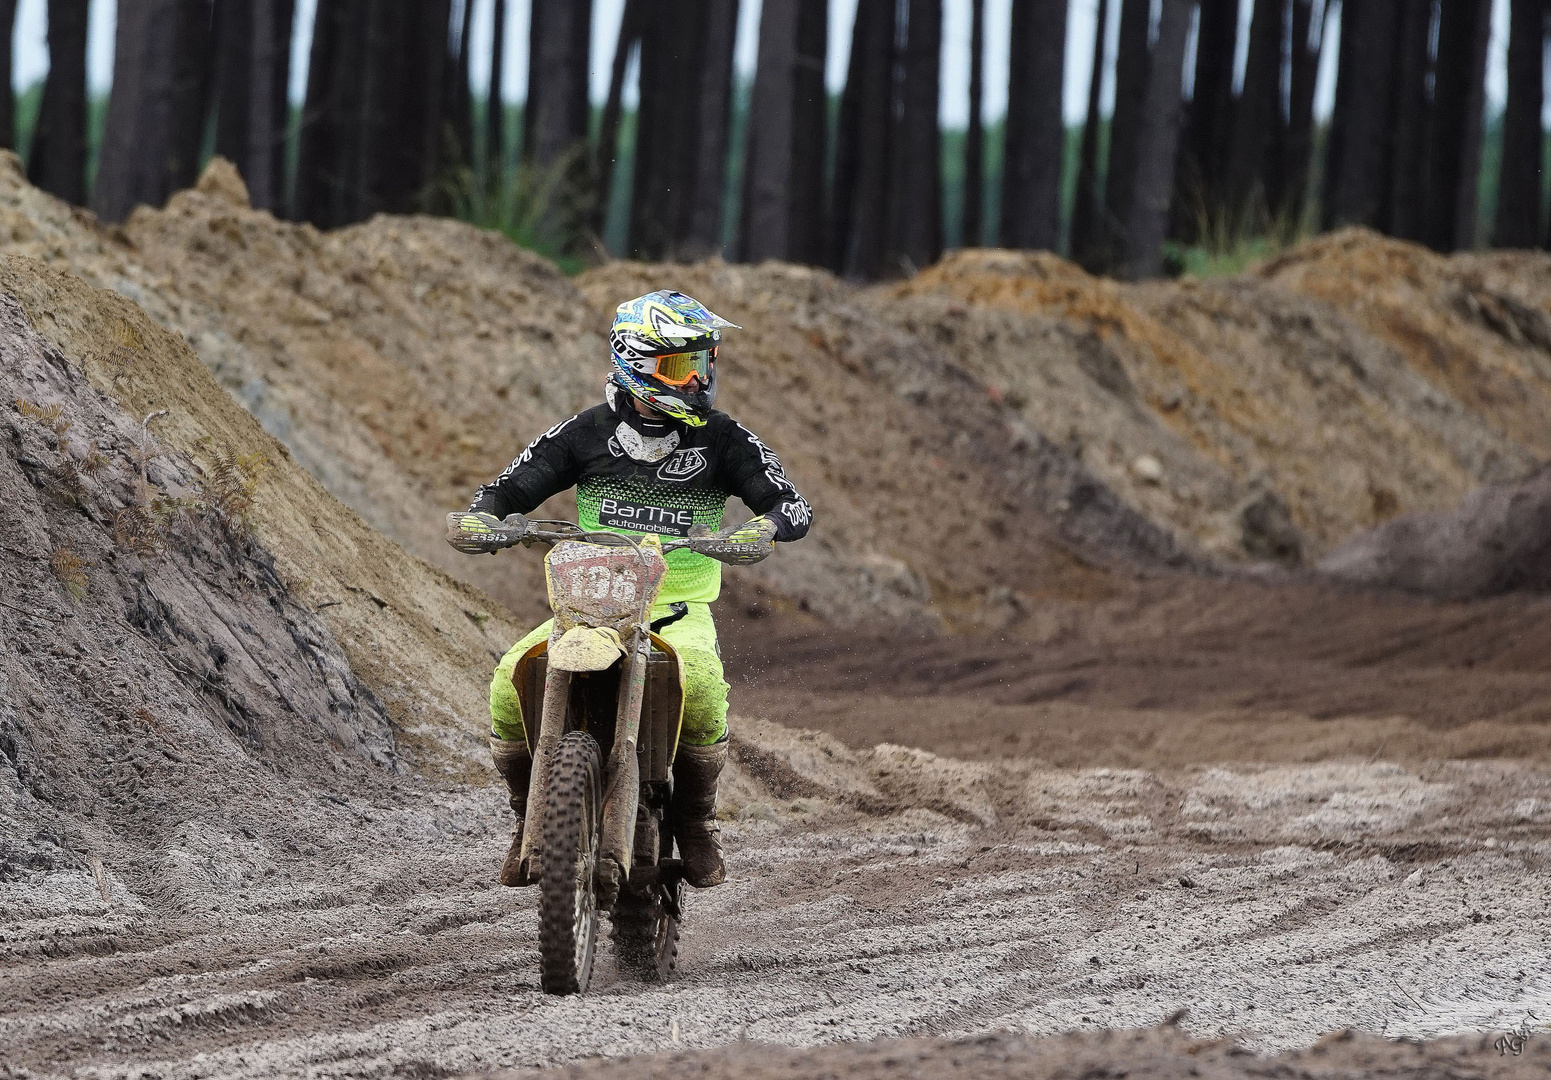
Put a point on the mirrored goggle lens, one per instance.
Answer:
(676, 368)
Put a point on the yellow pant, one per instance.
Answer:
(705, 691)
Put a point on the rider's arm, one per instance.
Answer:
(547, 467)
(754, 474)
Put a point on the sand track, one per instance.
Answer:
(1274, 903)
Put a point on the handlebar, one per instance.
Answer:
(517, 529)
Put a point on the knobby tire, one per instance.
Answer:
(568, 903)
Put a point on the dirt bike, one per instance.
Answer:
(602, 700)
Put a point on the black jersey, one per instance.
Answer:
(634, 474)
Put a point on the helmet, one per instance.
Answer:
(658, 343)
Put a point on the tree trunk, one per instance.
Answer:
(1355, 171)
(916, 195)
(1518, 189)
(767, 211)
(157, 109)
(234, 47)
(808, 229)
(705, 219)
(457, 141)
(606, 154)
(1131, 60)
(7, 93)
(253, 59)
(1255, 120)
(554, 144)
(667, 127)
(1203, 154)
(1087, 207)
(974, 135)
(1162, 116)
(495, 106)
(1032, 159)
(1454, 141)
(1292, 181)
(316, 164)
(57, 160)
(863, 149)
(1401, 207)
(555, 120)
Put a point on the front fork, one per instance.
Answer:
(624, 771)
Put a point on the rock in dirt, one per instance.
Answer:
(1498, 540)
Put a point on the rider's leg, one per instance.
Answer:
(509, 746)
(702, 747)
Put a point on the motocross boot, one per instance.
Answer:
(692, 813)
(515, 764)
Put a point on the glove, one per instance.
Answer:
(481, 533)
(741, 546)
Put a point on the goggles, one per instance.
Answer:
(676, 369)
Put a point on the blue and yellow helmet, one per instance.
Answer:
(664, 347)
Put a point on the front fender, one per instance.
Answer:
(586, 648)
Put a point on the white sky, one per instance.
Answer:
(31, 53)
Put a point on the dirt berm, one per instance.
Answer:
(1000, 410)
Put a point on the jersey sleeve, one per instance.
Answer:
(754, 474)
(547, 467)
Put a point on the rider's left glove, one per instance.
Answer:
(754, 540)
(477, 533)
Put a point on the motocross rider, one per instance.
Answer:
(654, 457)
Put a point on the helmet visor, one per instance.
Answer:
(676, 369)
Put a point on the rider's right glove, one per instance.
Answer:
(479, 533)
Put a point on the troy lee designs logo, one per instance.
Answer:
(682, 465)
(614, 514)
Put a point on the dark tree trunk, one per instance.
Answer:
(808, 230)
(253, 54)
(916, 196)
(1518, 189)
(1291, 183)
(555, 120)
(1087, 207)
(57, 160)
(1203, 156)
(1454, 141)
(1256, 118)
(1355, 171)
(1032, 160)
(667, 127)
(705, 220)
(607, 151)
(1401, 207)
(316, 160)
(863, 148)
(1131, 61)
(437, 120)
(974, 135)
(767, 209)
(1162, 116)
(495, 107)
(458, 138)
(7, 93)
(554, 129)
(157, 109)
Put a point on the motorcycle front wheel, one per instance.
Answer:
(568, 897)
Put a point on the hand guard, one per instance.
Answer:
(744, 545)
(481, 533)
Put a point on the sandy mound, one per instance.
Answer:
(405, 360)
(1161, 1053)
(1497, 541)
(417, 640)
(1271, 415)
